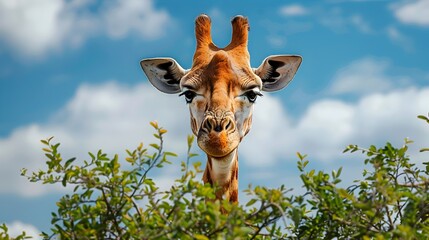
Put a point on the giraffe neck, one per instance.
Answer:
(223, 172)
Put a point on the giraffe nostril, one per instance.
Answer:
(228, 125)
(218, 128)
(207, 125)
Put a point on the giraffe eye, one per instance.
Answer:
(189, 95)
(252, 95)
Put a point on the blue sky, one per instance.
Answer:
(70, 69)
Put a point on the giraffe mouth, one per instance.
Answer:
(218, 144)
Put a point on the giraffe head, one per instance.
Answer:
(221, 86)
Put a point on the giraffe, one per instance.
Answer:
(221, 88)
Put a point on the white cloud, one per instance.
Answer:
(36, 27)
(385, 110)
(138, 16)
(278, 32)
(293, 10)
(116, 110)
(400, 39)
(359, 22)
(19, 150)
(328, 125)
(335, 20)
(16, 228)
(29, 25)
(111, 117)
(271, 128)
(413, 12)
(365, 76)
(276, 41)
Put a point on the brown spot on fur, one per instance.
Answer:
(201, 104)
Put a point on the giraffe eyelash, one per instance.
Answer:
(252, 95)
(189, 95)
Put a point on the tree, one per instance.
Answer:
(114, 201)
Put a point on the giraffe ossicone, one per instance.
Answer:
(220, 89)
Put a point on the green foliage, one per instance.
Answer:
(391, 202)
(5, 236)
(114, 201)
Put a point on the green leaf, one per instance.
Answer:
(23, 171)
(190, 140)
(68, 162)
(154, 145)
(64, 181)
(154, 124)
(170, 154)
(339, 171)
(301, 157)
(200, 237)
(424, 150)
(130, 160)
(424, 118)
(47, 150)
(251, 202)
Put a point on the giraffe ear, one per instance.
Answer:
(277, 71)
(163, 73)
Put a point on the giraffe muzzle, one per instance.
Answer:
(218, 135)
